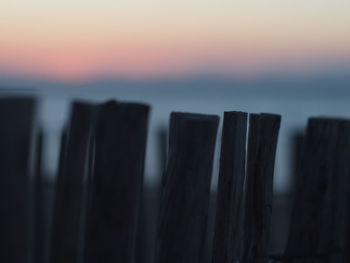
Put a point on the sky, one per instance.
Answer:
(79, 40)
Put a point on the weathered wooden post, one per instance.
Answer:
(186, 188)
(262, 144)
(320, 214)
(116, 185)
(71, 186)
(39, 247)
(229, 209)
(335, 237)
(16, 131)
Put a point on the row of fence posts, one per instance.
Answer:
(98, 191)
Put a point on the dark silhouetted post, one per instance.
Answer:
(70, 186)
(262, 143)
(319, 215)
(336, 221)
(39, 202)
(317, 162)
(186, 188)
(120, 143)
(344, 191)
(229, 214)
(16, 131)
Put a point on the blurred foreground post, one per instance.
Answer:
(16, 131)
(71, 185)
(320, 218)
(186, 188)
(40, 223)
(115, 189)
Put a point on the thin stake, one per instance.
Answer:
(39, 197)
(228, 223)
(262, 144)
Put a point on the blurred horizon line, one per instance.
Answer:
(19, 79)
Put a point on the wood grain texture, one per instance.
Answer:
(115, 190)
(229, 208)
(71, 182)
(16, 130)
(262, 144)
(186, 188)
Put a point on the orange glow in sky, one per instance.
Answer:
(84, 39)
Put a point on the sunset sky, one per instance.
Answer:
(85, 39)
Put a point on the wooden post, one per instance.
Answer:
(16, 130)
(120, 143)
(186, 188)
(344, 191)
(336, 217)
(319, 218)
(39, 201)
(262, 143)
(317, 162)
(229, 213)
(70, 186)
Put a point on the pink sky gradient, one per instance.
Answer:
(85, 40)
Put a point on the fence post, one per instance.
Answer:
(262, 143)
(229, 213)
(319, 218)
(116, 185)
(39, 201)
(16, 130)
(186, 188)
(336, 215)
(71, 185)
